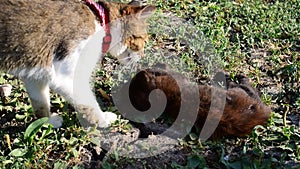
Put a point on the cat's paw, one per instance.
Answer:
(109, 118)
(55, 120)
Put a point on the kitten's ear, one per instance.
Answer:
(142, 77)
(138, 3)
(141, 12)
(147, 11)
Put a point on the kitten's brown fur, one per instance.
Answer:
(241, 114)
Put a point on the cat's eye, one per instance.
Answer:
(251, 107)
(229, 99)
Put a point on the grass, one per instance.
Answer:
(258, 38)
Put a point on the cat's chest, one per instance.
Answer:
(88, 49)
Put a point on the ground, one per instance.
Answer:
(259, 39)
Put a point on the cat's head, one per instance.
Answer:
(128, 29)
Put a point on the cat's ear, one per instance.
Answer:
(141, 12)
(146, 11)
(138, 3)
(144, 76)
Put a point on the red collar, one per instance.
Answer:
(104, 19)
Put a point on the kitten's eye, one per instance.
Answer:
(137, 37)
(251, 107)
(229, 99)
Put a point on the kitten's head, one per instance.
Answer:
(129, 29)
(242, 113)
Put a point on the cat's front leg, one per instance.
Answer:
(89, 116)
(38, 91)
(85, 103)
(79, 94)
(83, 98)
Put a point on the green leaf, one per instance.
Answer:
(236, 165)
(47, 132)
(34, 127)
(106, 165)
(20, 117)
(60, 165)
(7, 162)
(74, 152)
(2, 80)
(19, 152)
(193, 136)
(95, 140)
(196, 161)
(75, 167)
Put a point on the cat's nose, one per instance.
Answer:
(135, 57)
(141, 53)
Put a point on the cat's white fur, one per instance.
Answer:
(60, 77)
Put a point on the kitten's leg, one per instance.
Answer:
(38, 92)
(39, 96)
(72, 80)
(83, 100)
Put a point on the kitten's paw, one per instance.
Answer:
(55, 120)
(109, 118)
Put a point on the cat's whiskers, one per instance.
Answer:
(129, 60)
(129, 57)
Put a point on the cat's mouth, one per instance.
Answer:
(124, 54)
(129, 57)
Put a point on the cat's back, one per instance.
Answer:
(39, 11)
(32, 29)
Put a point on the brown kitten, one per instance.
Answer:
(57, 43)
(242, 111)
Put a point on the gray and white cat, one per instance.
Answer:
(57, 43)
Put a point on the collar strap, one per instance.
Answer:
(98, 9)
